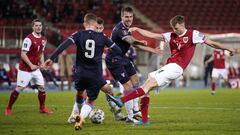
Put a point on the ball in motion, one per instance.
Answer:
(96, 116)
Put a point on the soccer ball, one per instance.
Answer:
(96, 116)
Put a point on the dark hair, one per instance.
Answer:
(89, 17)
(177, 19)
(100, 21)
(35, 20)
(126, 9)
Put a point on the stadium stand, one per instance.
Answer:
(215, 16)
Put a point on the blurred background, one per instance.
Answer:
(217, 19)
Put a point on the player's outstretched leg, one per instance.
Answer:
(134, 94)
(80, 98)
(114, 108)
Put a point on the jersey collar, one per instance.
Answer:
(35, 35)
(90, 28)
(183, 33)
(124, 25)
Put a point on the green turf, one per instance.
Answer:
(172, 112)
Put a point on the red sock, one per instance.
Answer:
(13, 98)
(213, 86)
(144, 103)
(41, 98)
(134, 94)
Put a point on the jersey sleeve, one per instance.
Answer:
(167, 36)
(108, 42)
(26, 44)
(198, 37)
(226, 53)
(74, 37)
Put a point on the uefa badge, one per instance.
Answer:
(185, 39)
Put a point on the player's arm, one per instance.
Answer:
(219, 46)
(147, 33)
(26, 59)
(64, 45)
(149, 49)
(115, 48)
(42, 58)
(131, 40)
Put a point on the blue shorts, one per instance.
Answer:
(121, 68)
(92, 82)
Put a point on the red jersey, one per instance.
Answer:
(183, 46)
(219, 58)
(34, 47)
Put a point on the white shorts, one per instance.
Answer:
(166, 74)
(23, 78)
(216, 73)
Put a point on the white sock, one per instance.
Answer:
(135, 104)
(86, 109)
(75, 109)
(129, 108)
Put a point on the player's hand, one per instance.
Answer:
(237, 51)
(144, 42)
(132, 29)
(47, 63)
(34, 67)
(158, 51)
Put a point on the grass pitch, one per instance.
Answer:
(172, 112)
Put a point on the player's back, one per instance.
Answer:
(90, 47)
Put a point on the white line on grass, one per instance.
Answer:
(154, 107)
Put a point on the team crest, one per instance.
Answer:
(125, 32)
(185, 39)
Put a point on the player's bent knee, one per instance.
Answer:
(107, 89)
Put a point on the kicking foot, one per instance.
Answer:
(118, 102)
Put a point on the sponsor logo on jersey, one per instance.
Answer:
(25, 45)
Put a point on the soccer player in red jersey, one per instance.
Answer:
(219, 69)
(31, 59)
(182, 43)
